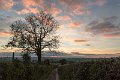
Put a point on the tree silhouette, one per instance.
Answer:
(35, 33)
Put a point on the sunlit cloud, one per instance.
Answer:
(51, 8)
(30, 3)
(30, 6)
(75, 24)
(90, 50)
(6, 4)
(28, 10)
(73, 17)
(2, 49)
(55, 11)
(4, 33)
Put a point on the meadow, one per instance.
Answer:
(19, 71)
(93, 70)
(87, 69)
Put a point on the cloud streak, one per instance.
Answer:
(4, 33)
(80, 40)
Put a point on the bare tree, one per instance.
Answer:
(35, 33)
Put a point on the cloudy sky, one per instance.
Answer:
(86, 26)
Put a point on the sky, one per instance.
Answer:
(86, 26)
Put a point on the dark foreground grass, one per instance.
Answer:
(20, 71)
(93, 70)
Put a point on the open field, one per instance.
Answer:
(101, 69)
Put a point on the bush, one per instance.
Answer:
(47, 62)
(63, 61)
(26, 58)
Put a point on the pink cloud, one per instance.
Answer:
(51, 8)
(97, 2)
(29, 3)
(65, 18)
(28, 10)
(74, 24)
(6, 4)
(55, 11)
(112, 35)
(48, 7)
(77, 7)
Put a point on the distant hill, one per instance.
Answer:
(63, 54)
(60, 54)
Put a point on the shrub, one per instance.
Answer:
(63, 61)
(26, 58)
(47, 62)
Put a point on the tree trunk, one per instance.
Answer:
(39, 55)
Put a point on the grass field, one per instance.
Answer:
(101, 69)
(92, 70)
(20, 71)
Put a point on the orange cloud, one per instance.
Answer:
(5, 34)
(80, 40)
(91, 50)
(6, 4)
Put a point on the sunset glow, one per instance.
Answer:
(86, 26)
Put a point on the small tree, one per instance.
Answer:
(26, 58)
(36, 33)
